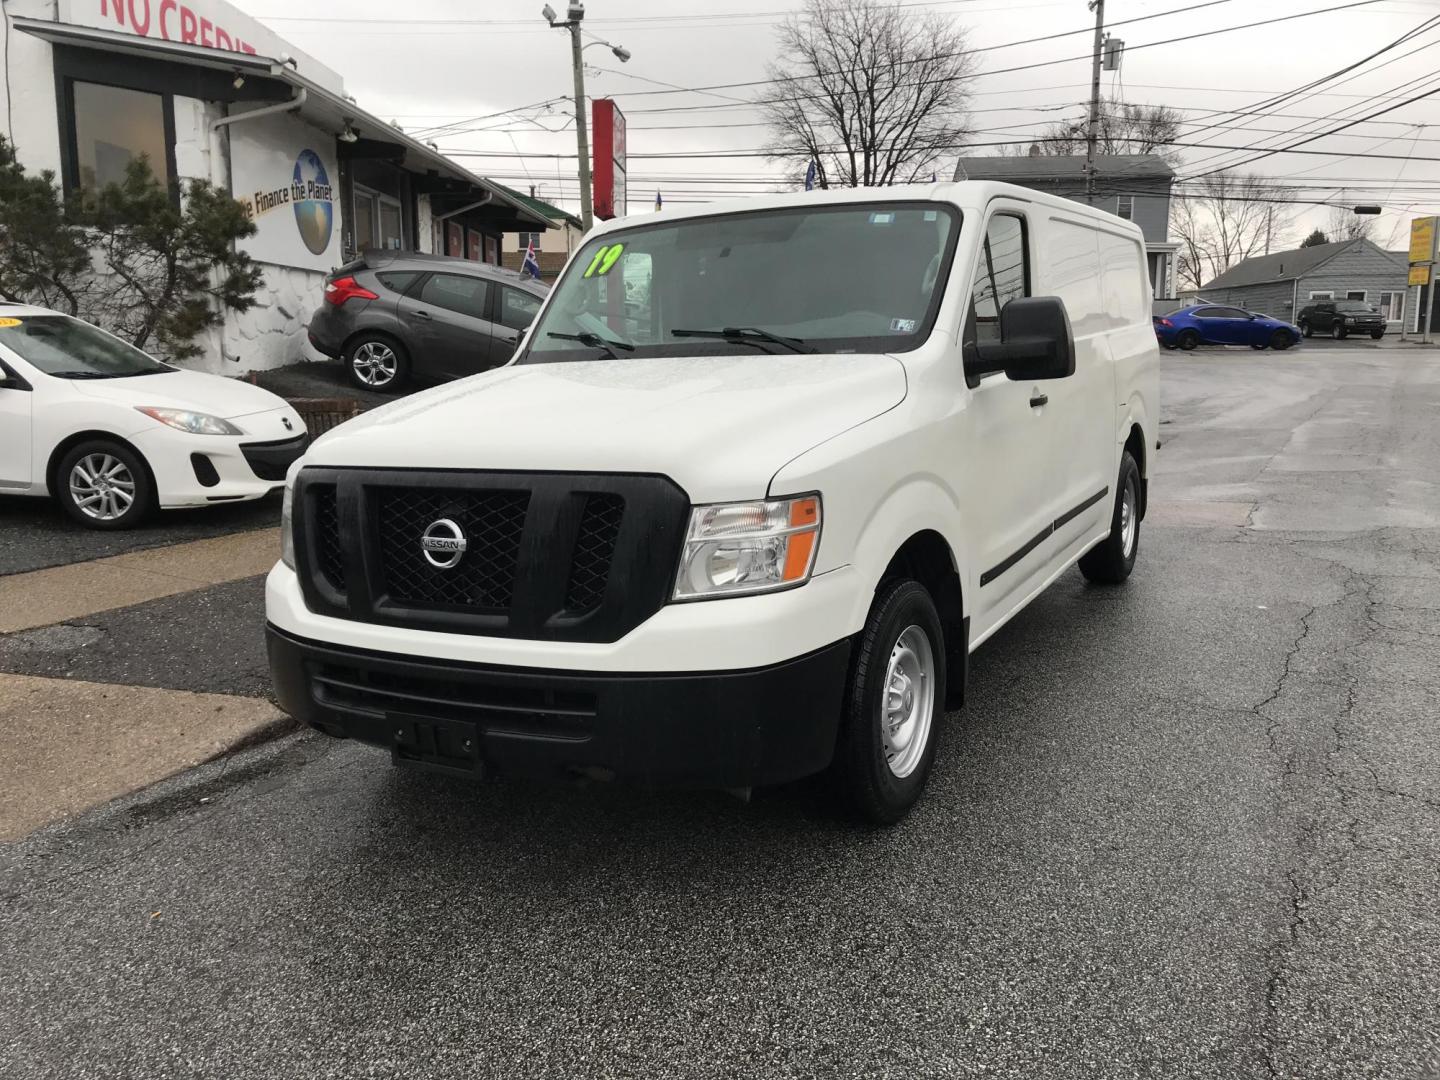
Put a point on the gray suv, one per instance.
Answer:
(392, 316)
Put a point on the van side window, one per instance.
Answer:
(1003, 274)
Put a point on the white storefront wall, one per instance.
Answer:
(284, 168)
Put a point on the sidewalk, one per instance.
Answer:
(74, 738)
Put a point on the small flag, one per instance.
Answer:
(810, 177)
(531, 265)
(659, 202)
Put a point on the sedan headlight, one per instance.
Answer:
(287, 527)
(734, 549)
(196, 423)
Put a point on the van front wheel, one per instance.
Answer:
(893, 704)
(1110, 561)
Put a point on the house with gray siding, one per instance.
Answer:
(1282, 283)
(1135, 187)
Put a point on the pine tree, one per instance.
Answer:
(44, 254)
(1315, 238)
(131, 257)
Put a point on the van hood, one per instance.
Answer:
(719, 426)
(181, 389)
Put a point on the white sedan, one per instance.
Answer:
(113, 433)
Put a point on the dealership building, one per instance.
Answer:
(206, 92)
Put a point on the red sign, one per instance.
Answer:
(608, 130)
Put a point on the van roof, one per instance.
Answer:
(963, 194)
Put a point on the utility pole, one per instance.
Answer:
(1097, 6)
(582, 131)
(574, 15)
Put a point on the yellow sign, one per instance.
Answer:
(5, 324)
(1422, 239)
(1420, 275)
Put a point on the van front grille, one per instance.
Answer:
(550, 556)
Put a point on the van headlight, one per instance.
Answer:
(287, 527)
(734, 549)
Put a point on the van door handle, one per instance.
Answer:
(421, 314)
(1038, 399)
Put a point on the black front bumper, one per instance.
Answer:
(716, 728)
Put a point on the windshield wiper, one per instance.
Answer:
(595, 341)
(81, 375)
(147, 371)
(748, 335)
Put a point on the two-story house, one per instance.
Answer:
(1135, 187)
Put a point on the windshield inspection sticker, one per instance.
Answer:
(902, 326)
(5, 324)
(882, 219)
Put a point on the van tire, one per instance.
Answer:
(1338, 332)
(1187, 340)
(1305, 330)
(1110, 561)
(861, 771)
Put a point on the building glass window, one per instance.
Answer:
(112, 127)
(1392, 305)
(1125, 207)
(377, 221)
(1322, 295)
(1355, 294)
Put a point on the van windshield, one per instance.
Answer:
(1353, 305)
(850, 278)
(71, 349)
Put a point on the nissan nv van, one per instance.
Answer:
(758, 480)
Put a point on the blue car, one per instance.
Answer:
(1211, 324)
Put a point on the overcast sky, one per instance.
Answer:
(445, 62)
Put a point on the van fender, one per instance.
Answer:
(1132, 413)
(917, 504)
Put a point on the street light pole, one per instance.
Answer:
(574, 15)
(582, 130)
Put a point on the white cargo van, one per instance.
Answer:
(757, 481)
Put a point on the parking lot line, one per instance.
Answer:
(43, 597)
(72, 745)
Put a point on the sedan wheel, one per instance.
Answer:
(1187, 340)
(1280, 341)
(104, 485)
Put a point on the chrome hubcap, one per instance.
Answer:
(102, 486)
(908, 707)
(1127, 520)
(374, 363)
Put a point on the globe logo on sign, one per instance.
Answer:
(313, 201)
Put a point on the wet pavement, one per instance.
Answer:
(1185, 828)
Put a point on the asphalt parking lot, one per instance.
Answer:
(1186, 828)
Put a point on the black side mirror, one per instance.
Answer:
(1035, 343)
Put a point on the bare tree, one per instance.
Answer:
(1224, 219)
(871, 93)
(1344, 224)
(1125, 128)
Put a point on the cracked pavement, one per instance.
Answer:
(1185, 828)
